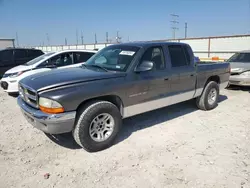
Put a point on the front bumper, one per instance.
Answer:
(9, 85)
(239, 80)
(48, 123)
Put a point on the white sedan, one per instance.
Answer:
(46, 62)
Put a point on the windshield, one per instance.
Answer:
(240, 57)
(114, 58)
(33, 61)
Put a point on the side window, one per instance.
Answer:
(34, 53)
(154, 54)
(178, 56)
(63, 59)
(81, 57)
(6, 55)
(20, 53)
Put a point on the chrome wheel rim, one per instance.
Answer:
(212, 96)
(101, 127)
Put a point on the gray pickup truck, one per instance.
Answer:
(120, 81)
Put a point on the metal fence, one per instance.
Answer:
(205, 47)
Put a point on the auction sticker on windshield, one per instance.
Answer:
(130, 53)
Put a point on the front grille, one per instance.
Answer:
(28, 95)
(4, 85)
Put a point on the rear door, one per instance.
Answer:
(6, 61)
(20, 56)
(150, 89)
(183, 73)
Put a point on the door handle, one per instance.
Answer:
(192, 75)
(166, 79)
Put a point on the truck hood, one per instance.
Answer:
(237, 67)
(61, 77)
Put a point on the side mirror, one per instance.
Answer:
(145, 66)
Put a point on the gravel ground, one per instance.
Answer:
(177, 146)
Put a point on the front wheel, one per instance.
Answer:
(209, 97)
(97, 125)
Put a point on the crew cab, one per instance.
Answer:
(119, 81)
(51, 60)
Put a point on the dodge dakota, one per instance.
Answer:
(119, 81)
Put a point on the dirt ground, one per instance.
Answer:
(177, 146)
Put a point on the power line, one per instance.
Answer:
(48, 40)
(186, 30)
(107, 37)
(82, 38)
(95, 39)
(118, 38)
(174, 24)
(17, 41)
(76, 37)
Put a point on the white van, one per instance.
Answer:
(45, 62)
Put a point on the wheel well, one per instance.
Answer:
(213, 78)
(110, 98)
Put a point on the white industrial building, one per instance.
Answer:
(6, 43)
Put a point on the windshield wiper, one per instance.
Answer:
(98, 66)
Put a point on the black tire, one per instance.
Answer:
(84, 118)
(202, 101)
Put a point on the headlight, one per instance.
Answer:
(15, 74)
(50, 106)
(247, 73)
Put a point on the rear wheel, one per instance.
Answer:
(97, 125)
(209, 97)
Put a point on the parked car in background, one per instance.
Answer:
(240, 69)
(120, 81)
(12, 57)
(45, 62)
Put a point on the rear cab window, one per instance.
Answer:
(179, 56)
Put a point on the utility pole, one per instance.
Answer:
(82, 37)
(17, 42)
(117, 37)
(186, 26)
(107, 37)
(76, 37)
(174, 24)
(66, 43)
(48, 40)
(95, 39)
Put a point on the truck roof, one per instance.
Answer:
(143, 44)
